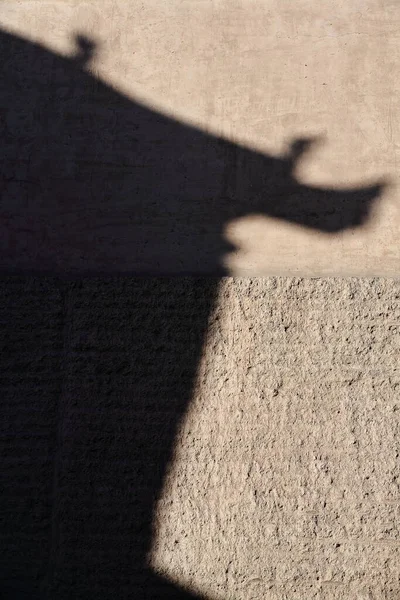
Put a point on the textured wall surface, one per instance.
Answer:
(190, 438)
(182, 438)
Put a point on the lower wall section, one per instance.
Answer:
(182, 438)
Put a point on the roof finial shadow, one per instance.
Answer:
(86, 50)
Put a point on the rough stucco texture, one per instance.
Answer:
(272, 468)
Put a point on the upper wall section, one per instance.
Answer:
(241, 137)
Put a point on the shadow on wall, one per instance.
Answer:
(97, 372)
(92, 182)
